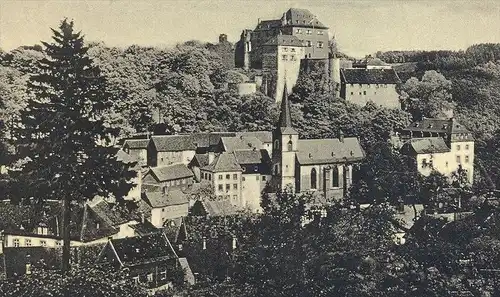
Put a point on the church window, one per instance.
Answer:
(290, 146)
(314, 177)
(335, 177)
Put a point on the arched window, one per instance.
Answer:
(290, 146)
(314, 177)
(276, 144)
(335, 177)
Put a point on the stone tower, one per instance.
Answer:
(285, 140)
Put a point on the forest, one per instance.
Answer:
(291, 249)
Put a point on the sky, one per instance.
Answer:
(361, 27)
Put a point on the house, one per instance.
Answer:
(137, 148)
(135, 164)
(378, 85)
(150, 260)
(214, 208)
(166, 204)
(170, 176)
(165, 150)
(266, 137)
(312, 165)
(444, 145)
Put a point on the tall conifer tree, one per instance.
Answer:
(63, 136)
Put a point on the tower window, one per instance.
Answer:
(276, 144)
(314, 177)
(290, 146)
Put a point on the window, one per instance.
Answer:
(235, 186)
(292, 50)
(220, 176)
(320, 44)
(16, 242)
(364, 92)
(466, 159)
(314, 178)
(228, 187)
(290, 146)
(292, 58)
(235, 176)
(335, 177)
(276, 169)
(360, 93)
(28, 242)
(136, 279)
(424, 163)
(458, 160)
(352, 93)
(243, 178)
(163, 275)
(298, 31)
(209, 176)
(150, 277)
(467, 147)
(285, 49)
(235, 197)
(309, 43)
(28, 268)
(263, 178)
(308, 32)
(163, 210)
(257, 177)
(320, 32)
(276, 144)
(221, 187)
(458, 147)
(284, 58)
(43, 243)
(58, 243)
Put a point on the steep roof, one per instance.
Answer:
(325, 151)
(450, 126)
(225, 162)
(136, 143)
(160, 199)
(369, 76)
(285, 120)
(171, 172)
(428, 145)
(142, 249)
(285, 40)
(268, 24)
(232, 144)
(173, 143)
(264, 136)
(302, 18)
(251, 157)
(200, 160)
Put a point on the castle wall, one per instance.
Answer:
(383, 94)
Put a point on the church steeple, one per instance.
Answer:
(285, 121)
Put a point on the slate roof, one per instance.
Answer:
(251, 157)
(143, 249)
(232, 144)
(303, 17)
(136, 143)
(428, 145)
(110, 213)
(450, 126)
(201, 160)
(173, 143)
(326, 151)
(285, 40)
(267, 24)
(369, 76)
(219, 208)
(225, 162)
(264, 136)
(159, 199)
(207, 140)
(171, 172)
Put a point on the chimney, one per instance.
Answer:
(341, 135)
(204, 243)
(234, 242)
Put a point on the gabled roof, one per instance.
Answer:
(170, 172)
(264, 136)
(160, 199)
(224, 162)
(302, 18)
(285, 40)
(199, 160)
(218, 207)
(251, 157)
(231, 144)
(450, 126)
(173, 143)
(268, 24)
(326, 151)
(136, 143)
(141, 249)
(428, 145)
(369, 76)
(285, 120)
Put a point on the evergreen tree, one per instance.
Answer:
(62, 135)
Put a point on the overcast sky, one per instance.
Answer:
(361, 27)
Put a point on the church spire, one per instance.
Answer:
(285, 116)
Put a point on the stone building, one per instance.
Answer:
(444, 145)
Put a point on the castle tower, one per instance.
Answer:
(285, 140)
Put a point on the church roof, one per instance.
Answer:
(326, 151)
(369, 76)
(225, 162)
(285, 120)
